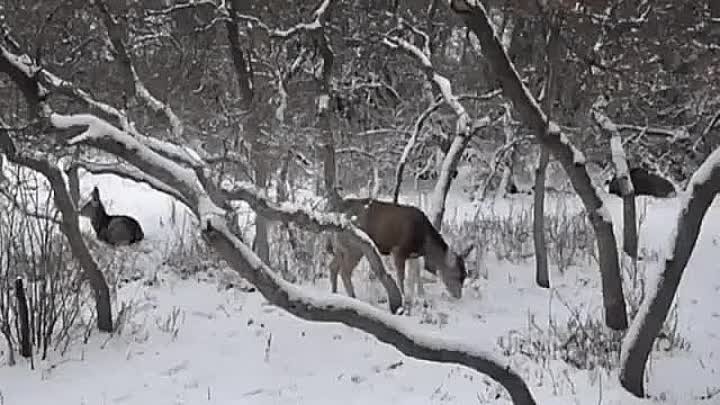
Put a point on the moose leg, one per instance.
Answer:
(349, 263)
(399, 260)
(414, 277)
(334, 269)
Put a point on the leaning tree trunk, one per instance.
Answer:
(572, 160)
(71, 229)
(701, 191)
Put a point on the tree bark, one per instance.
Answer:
(553, 56)
(572, 160)
(702, 189)
(23, 318)
(244, 75)
(542, 274)
(61, 197)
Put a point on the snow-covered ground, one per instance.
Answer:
(193, 341)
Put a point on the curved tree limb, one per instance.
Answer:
(129, 173)
(326, 308)
(701, 190)
(475, 17)
(465, 125)
(329, 308)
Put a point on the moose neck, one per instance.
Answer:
(100, 219)
(435, 250)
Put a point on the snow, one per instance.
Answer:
(231, 347)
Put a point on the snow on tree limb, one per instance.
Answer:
(323, 308)
(396, 331)
(115, 31)
(464, 126)
(476, 19)
(701, 190)
(129, 173)
(319, 18)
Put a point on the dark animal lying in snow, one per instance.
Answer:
(112, 229)
(644, 183)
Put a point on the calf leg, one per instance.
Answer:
(334, 269)
(414, 277)
(349, 263)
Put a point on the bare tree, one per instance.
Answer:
(701, 191)
(465, 126)
(572, 160)
(553, 56)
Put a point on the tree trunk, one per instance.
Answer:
(702, 189)
(542, 274)
(553, 51)
(439, 194)
(572, 160)
(328, 149)
(23, 318)
(244, 74)
(71, 230)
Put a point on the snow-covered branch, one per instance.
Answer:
(549, 133)
(465, 126)
(115, 32)
(701, 190)
(323, 308)
(130, 173)
(279, 292)
(395, 331)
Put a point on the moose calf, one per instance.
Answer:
(644, 183)
(112, 229)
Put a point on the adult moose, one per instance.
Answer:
(112, 229)
(402, 231)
